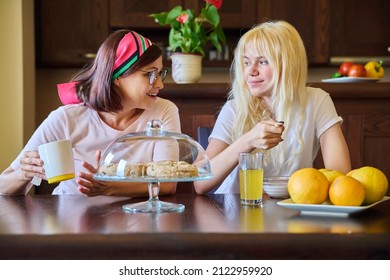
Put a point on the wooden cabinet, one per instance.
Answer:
(310, 18)
(69, 32)
(360, 28)
(234, 14)
(135, 14)
(334, 28)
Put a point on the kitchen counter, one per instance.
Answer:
(48, 78)
(220, 90)
(315, 75)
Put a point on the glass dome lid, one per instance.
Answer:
(154, 155)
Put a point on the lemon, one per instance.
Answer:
(308, 186)
(331, 175)
(346, 191)
(374, 181)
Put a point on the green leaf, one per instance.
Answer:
(173, 14)
(168, 18)
(191, 14)
(193, 35)
(221, 35)
(211, 15)
(214, 40)
(198, 50)
(160, 18)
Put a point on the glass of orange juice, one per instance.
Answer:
(251, 178)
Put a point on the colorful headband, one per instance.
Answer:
(129, 50)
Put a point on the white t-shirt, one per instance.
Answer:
(88, 133)
(320, 115)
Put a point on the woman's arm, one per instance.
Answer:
(13, 182)
(224, 158)
(334, 149)
(120, 188)
(18, 182)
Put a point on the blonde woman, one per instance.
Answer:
(271, 109)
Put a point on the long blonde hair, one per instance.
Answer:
(281, 44)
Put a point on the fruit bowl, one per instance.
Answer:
(276, 187)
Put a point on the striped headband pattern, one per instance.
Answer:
(129, 50)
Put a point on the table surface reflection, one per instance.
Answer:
(211, 227)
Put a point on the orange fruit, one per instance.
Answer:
(308, 186)
(346, 191)
(374, 181)
(331, 175)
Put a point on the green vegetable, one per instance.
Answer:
(336, 75)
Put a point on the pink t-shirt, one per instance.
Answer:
(88, 133)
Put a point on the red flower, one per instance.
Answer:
(182, 18)
(216, 3)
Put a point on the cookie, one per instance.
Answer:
(123, 169)
(171, 169)
(108, 169)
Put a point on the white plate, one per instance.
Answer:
(326, 209)
(350, 80)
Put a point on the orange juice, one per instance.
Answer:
(251, 185)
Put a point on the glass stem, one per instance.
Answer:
(154, 189)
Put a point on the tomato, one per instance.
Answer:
(357, 70)
(344, 68)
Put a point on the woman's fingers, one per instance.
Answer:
(87, 177)
(89, 186)
(271, 126)
(89, 167)
(267, 134)
(31, 165)
(97, 156)
(85, 186)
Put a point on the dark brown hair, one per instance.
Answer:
(95, 86)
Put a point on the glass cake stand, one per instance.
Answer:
(151, 146)
(154, 204)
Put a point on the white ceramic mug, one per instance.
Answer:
(58, 160)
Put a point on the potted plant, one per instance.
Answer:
(189, 35)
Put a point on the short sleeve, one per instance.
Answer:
(224, 124)
(326, 115)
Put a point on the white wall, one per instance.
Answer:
(17, 77)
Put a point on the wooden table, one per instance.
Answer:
(211, 227)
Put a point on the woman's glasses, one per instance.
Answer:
(153, 75)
